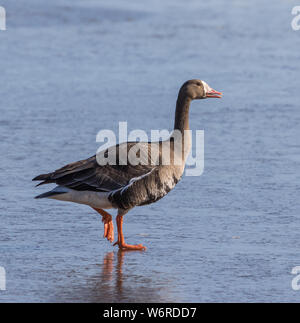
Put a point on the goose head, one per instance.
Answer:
(198, 89)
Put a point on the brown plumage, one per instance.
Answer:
(126, 186)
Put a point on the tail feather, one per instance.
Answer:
(42, 177)
(47, 194)
(56, 191)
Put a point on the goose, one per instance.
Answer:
(123, 186)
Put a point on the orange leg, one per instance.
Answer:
(121, 242)
(108, 224)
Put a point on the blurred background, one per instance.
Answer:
(71, 68)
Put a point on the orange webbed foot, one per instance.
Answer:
(108, 224)
(121, 242)
(125, 246)
(108, 229)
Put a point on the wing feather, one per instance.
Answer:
(89, 175)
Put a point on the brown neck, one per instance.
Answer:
(182, 113)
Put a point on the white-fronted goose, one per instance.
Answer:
(125, 186)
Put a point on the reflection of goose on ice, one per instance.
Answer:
(108, 267)
(125, 186)
(119, 281)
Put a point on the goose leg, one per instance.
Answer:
(108, 224)
(121, 242)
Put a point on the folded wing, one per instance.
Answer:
(89, 175)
